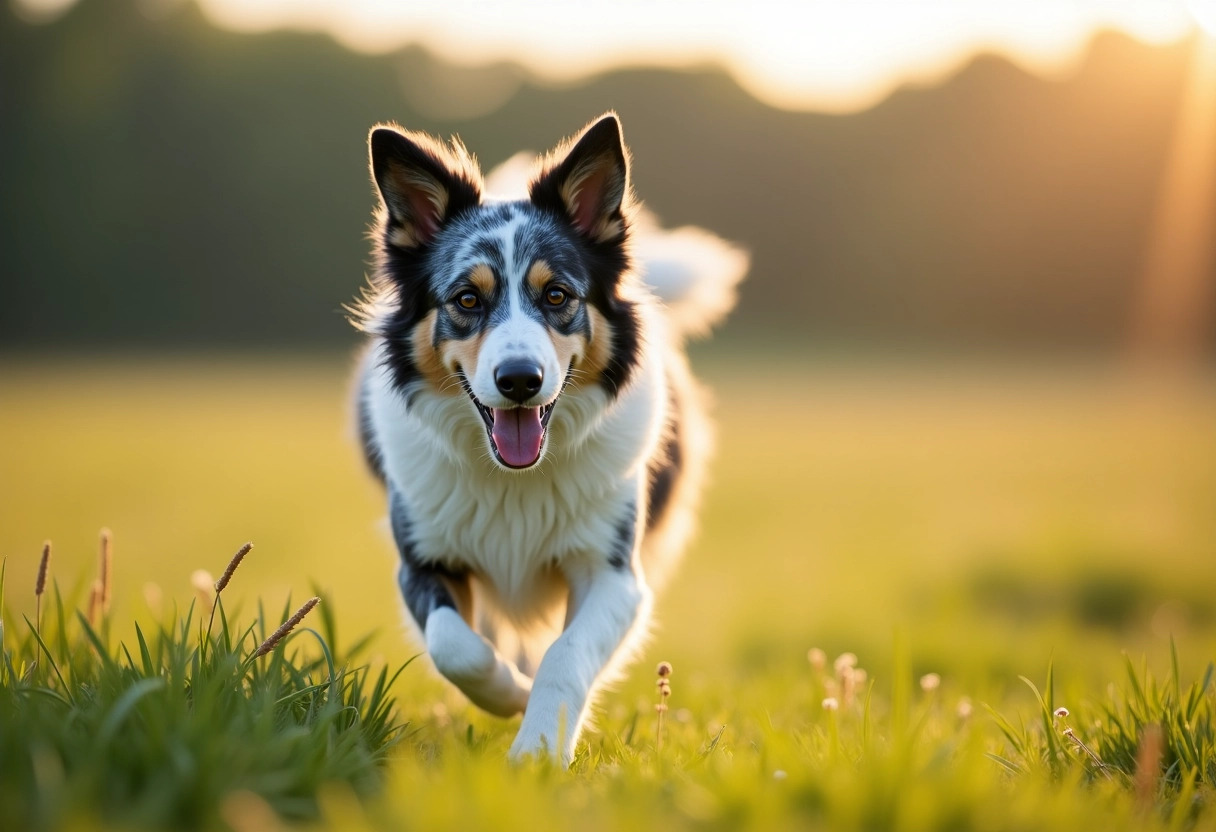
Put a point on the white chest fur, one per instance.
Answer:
(513, 527)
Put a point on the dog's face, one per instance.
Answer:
(505, 303)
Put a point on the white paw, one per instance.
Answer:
(459, 653)
(546, 731)
(470, 662)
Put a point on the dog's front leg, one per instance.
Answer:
(432, 593)
(609, 600)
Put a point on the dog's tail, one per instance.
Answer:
(694, 272)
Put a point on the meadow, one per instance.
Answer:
(955, 526)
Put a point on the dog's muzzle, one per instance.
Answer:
(517, 434)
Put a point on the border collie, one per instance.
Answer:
(526, 402)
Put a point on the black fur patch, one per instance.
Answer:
(666, 468)
(622, 547)
(422, 584)
(415, 302)
(626, 350)
(371, 449)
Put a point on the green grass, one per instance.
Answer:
(195, 731)
(163, 732)
(981, 523)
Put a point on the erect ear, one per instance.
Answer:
(588, 183)
(423, 183)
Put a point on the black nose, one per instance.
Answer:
(518, 380)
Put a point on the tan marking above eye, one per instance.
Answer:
(482, 278)
(540, 273)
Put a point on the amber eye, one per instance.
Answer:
(555, 297)
(467, 300)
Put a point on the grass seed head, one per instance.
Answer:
(222, 583)
(831, 704)
(817, 658)
(848, 684)
(105, 558)
(664, 686)
(95, 603)
(43, 564)
(287, 626)
(930, 682)
(1061, 713)
(1148, 764)
(844, 660)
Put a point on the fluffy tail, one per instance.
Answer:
(694, 272)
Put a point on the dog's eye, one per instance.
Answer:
(468, 300)
(555, 296)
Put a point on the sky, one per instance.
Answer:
(837, 56)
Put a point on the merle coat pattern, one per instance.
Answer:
(526, 402)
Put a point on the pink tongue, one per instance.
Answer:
(517, 435)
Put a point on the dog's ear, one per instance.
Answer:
(422, 182)
(587, 181)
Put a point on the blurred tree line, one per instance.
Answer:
(167, 183)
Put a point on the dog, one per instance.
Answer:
(526, 402)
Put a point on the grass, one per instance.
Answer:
(167, 732)
(977, 524)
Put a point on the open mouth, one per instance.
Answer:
(517, 434)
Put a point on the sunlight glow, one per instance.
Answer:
(818, 54)
(1179, 284)
(837, 56)
(1204, 12)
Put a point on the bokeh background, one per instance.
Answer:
(967, 396)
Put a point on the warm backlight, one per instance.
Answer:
(836, 56)
(1204, 12)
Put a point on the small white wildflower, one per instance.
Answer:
(930, 682)
(830, 704)
(964, 708)
(844, 660)
(1061, 713)
(779, 775)
(817, 658)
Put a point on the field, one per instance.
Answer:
(971, 521)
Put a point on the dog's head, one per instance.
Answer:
(505, 303)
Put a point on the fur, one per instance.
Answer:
(526, 402)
